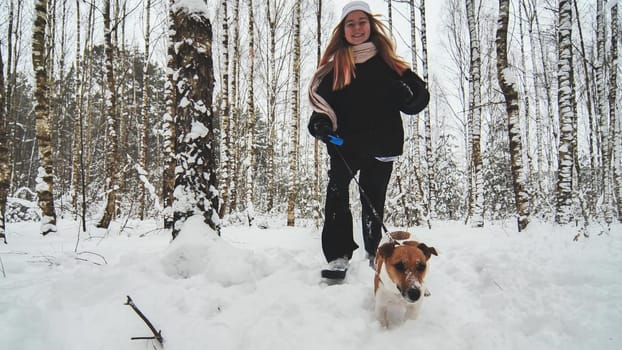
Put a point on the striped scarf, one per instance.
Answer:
(362, 53)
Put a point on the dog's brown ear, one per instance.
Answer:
(427, 251)
(386, 249)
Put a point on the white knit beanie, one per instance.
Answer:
(354, 6)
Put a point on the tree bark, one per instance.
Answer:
(317, 157)
(613, 108)
(170, 129)
(507, 84)
(111, 124)
(427, 123)
(603, 116)
(225, 116)
(45, 177)
(144, 145)
(250, 213)
(235, 125)
(295, 123)
(196, 190)
(4, 155)
(564, 211)
(475, 115)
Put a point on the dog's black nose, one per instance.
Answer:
(414, 294)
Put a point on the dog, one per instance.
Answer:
(401, 264)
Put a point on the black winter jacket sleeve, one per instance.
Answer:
(421, 96)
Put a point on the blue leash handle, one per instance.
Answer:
(335, 140)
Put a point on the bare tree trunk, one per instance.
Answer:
(475, 117)
(14, 43)
(76, 130)
(195, 177)
(170, 130)
(550, 132)
(145, 111)
(613, 108)
(317, 206)
(9, 60)
(77, 164)
(272, 90)
(111, 122)
(225, 171)
(234, 124)
(525, 112)
(507, 84)
(5, 171)
(250, 212)
(564, 213)
(120, 64)
(541, 183)
(602, 109)
(45, 178)
(89, 50)
(429, 154)
(293, 154)
(588, 91)
(412, 198)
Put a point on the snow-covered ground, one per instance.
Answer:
(492, 288)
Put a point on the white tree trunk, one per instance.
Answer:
(475, 113)
(564, 210)
(507, 82)
(295, 123)
(45, 177)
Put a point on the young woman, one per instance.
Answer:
(357, 94)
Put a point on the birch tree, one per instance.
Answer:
(603, 116)
(475, 116)
(614, 145)
(45, 177)
(507, 82)
(564, 209)
(145, 110)
(295, 123)
(250, 212)
(225, 116)
(427, 125)
(4, 154)
(78, 176)
(111, 123)
(317, 168)
(76, 129)
(271, 87)
(169, 128)
(193, 70)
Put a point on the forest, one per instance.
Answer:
(164, 109)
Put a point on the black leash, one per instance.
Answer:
(367, 199)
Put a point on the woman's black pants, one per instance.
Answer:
(337, 234)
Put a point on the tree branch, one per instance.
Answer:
(156, 334)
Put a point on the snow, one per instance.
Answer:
(197, 130)
(190, 6)
(41, 185)
(492, 288)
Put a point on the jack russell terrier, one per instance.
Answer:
(401, 264)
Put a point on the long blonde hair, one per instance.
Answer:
(340, 51)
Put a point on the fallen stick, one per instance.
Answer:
(157, 335)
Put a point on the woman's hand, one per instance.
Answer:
(320, 126)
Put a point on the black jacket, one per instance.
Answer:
(368, 112)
